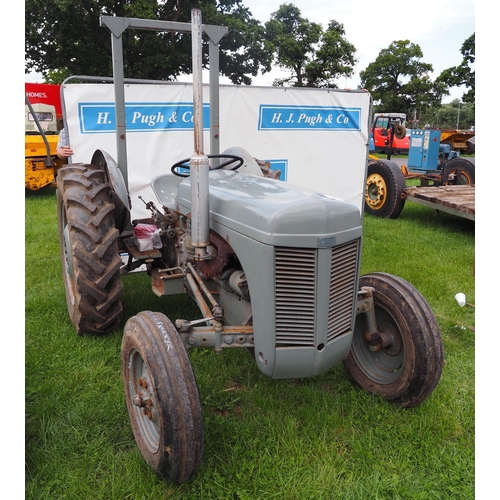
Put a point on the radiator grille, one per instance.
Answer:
(295, 296)
(296, 288)
(342, 293)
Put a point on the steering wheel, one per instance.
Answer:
(229, 159)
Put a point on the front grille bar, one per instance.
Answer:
(297, 288)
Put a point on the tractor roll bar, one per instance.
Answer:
(116, 26)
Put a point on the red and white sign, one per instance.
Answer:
(45, 93)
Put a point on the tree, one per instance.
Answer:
(399, 81)
(463, 73)
(64, 37)
(314, 57)
(449, 115)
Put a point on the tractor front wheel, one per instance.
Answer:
(162, 396)
(385, 189)
(403, 361)
(88, 242)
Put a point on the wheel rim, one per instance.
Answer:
(463, 177)
(381, 364)
(459, 172)
(144, 400)
(376, 191)
(68, 258)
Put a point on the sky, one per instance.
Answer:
(438, 27)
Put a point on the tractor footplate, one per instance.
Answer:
(137, 254)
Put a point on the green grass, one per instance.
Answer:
(318, 438)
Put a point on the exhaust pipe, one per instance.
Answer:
(199, 163)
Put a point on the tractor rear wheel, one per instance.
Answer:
(385, 189)
(404, 364)
(162, 396)
(459, 171)
(88, 242)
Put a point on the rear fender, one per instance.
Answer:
(119, 194)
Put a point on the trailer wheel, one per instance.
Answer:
(459, 171)
(162, 396)
(88, 241)
(405, 363)
(385, 189)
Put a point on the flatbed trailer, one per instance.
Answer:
(458, 200)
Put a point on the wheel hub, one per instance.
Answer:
(375, 191)
(143, 399)
(387, 338)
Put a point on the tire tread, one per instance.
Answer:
(84, 198)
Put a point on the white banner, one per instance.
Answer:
(317, 138)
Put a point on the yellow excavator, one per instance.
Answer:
(41, 136)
